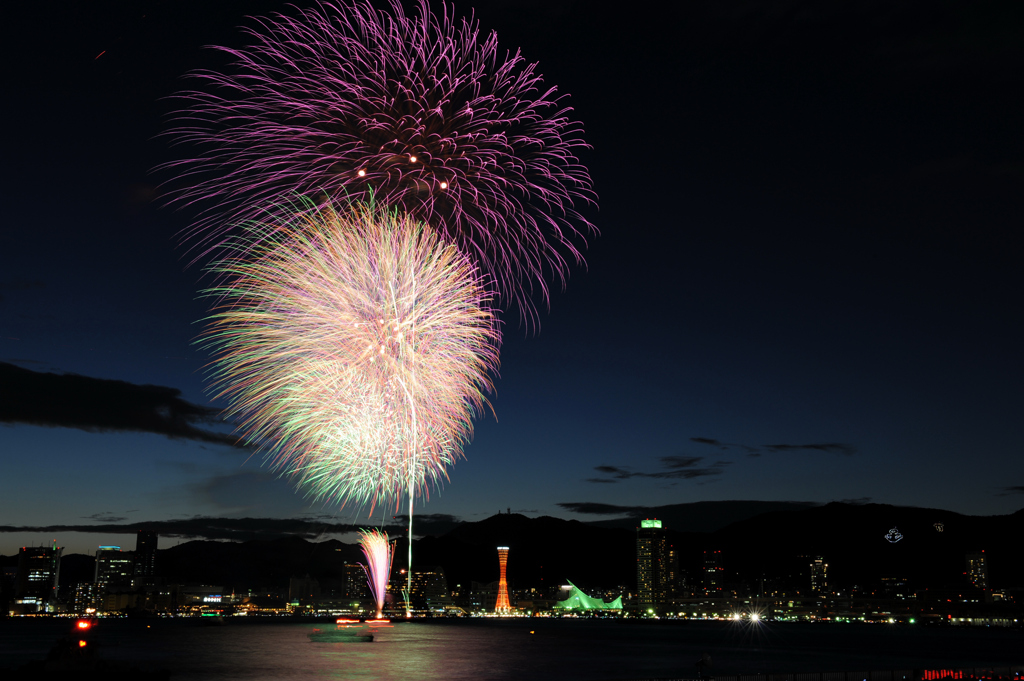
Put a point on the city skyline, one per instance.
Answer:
(753, 568)
(805, 287)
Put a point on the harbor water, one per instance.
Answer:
(528, 649)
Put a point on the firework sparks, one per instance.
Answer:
(353, 349)
(378, 552)
(422, 112)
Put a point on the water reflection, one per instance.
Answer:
(506, 649)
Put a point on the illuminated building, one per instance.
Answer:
(114, 569)
(577, 600)
(202, 595)
(38, 577)
(145, 558)
(895, 587)
(354, 586)
(713, 573)
(654, 565)
(819, 575)
(84, 597)
(977, 570)
(676, 581)
(481, 596)
(502, 604)
(430, 589)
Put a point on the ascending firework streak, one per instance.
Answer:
(378, 552)
(353, 349)
(347, 102)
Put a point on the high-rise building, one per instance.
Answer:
(430, 589)
(676, 581)
(654, 565)
(354, 585)
(502, 604)
(145, 558)
(977, 570)
(713, 573)
(38, 577)
(114, 569)
(84, 597)
(819, 575)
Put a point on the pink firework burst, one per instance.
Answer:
(345, 102)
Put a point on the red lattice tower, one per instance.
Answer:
(503, 604)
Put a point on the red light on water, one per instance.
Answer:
(343, 620)
(82, 644)
(83, 624)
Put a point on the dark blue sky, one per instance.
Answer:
(810, 255)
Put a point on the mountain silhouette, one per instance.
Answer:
(544, 552)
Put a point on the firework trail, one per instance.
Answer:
(353, 350)
(378, 552)
(347, 102)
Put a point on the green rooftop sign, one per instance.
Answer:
(650, 523)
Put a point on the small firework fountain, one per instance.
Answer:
(378, 552)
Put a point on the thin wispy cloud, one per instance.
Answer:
(1007, 491)
(594, 508)
(829, 447)
(757, 450)
(105, 517)
(674, 468)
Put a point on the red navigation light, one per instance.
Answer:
(82, 644)
(83, 624)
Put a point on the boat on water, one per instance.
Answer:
(342, 633)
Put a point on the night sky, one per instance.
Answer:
(807, 284)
